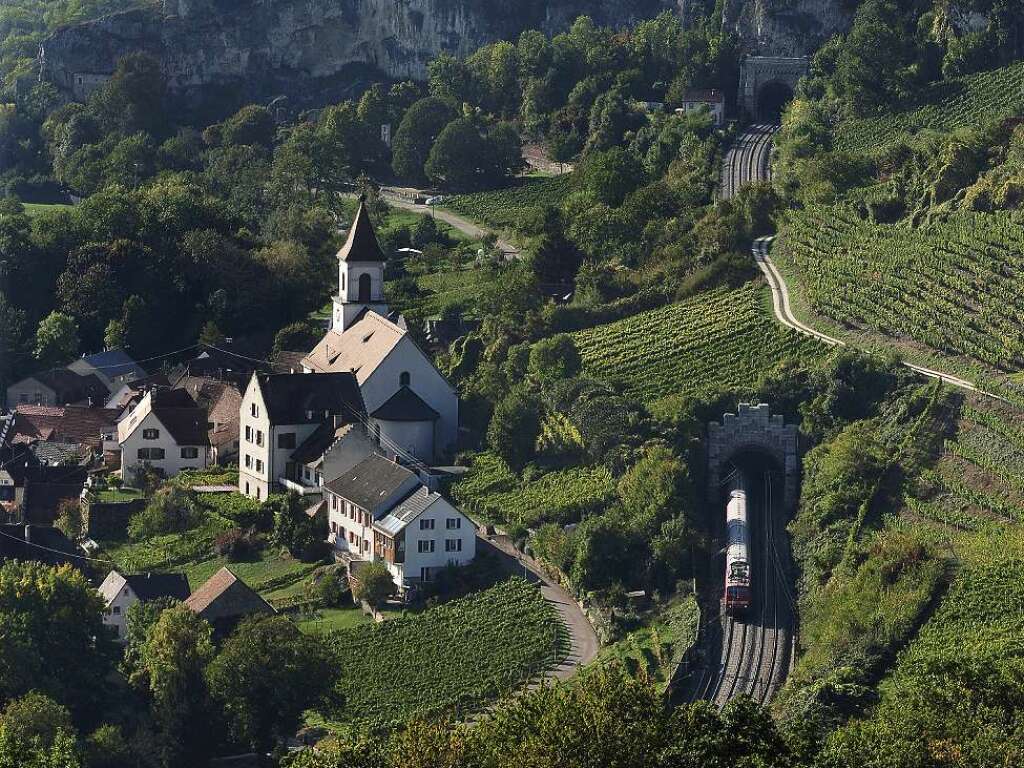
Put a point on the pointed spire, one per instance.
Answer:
(361, 244)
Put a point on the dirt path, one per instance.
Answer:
(400, 198)
(583, 640)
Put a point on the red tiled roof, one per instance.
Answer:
(70, 424)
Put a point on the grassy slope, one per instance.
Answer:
(965, 102)
(506, 208)
(721, 338)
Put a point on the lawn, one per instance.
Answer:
(35, 209)
(112, 495)
(332, 620)
(453, 658)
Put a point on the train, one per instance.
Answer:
(737, 551)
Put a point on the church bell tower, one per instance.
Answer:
(360, 273)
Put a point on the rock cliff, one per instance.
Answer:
(311, 50)
(319, 50)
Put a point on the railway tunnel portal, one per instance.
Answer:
(767, 84)
(753, 430)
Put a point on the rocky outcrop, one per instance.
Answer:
(786, 27)
(317, 51)
(313, 50)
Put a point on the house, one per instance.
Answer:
(713, 101)
(330, 452)
(222, 401)
(413, 410)
(279, 413)
(94, 428)
(113, 367)
(121, 592)
(129, 393)
(58, 386)
(37, 543)
(166, 431)
(225, 599)
(379, 510)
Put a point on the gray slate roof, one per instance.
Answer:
(361, 245)
(406, 511)
(291, 397)
(371, 481)
(405, 405)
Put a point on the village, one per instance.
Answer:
(356, 431)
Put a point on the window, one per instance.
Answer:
(366, 545)
(334, 502)
(117, 610)
(425, 546)
(257, 494)
(259, 465)
(151, 434)
(343, 283)
(247, 485)
(286, 440)
(334, 527)
(364, 289)
(453, 545)
(248, 461)
(23, 397)
(248, 433)
(424, 574)
(453, 523)
(404, 378)
(255, 410)
(426, 524)
(259, 437)
(151, 454)
(190, 453)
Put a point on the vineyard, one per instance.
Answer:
(453, 658)
(506, 208)
(956, 287)
(490, 490)
(443, 289)
(965, 102)
(719, 339)
(979, 479)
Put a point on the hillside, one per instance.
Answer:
(965, 102)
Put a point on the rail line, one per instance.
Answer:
(747, 160)
(755, 651)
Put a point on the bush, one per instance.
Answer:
(328, 586)
(234, 543)
(172, 510)
(373, 584)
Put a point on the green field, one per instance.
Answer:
(955, 287)
(34, 209)
(506, 208)
(491, 491)
(444, 289)
(965, 102)
(453, 658)
(721, 338)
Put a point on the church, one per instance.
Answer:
(411, 408)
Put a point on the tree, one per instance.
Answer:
(252, 124)
(293, 528)
(139, 620)
(554, 358)
(416, 134)
(265, 676)
(514, 428)
(114, 336)
(69, 518)
(654, 489)
(464, 158)
(301, 335)
(211, 335)
(373, 584)
(52, 634)
(56, 339)
(36, 732)
(134, 97)
(175, 656)
(171, 510)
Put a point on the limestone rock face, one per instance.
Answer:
(786, 27)
(311, 50)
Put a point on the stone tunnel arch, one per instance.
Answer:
(753, 429)
(767, 83)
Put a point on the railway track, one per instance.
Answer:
(754, 652)
(747, 159)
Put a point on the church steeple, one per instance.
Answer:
(360, 272)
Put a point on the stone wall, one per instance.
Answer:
(753, 427)
(758, 71)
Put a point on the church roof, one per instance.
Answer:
(405, 405)
(361, 245)
(359, 349)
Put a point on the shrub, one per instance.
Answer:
(328, 586)
(373, 583)
(234, 543)
(172, 510)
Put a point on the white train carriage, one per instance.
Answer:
(737, 552)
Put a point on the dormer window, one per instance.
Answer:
(367, 337)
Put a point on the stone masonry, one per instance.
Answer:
(753, 427)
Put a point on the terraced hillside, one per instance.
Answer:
(970, 101)
(955, 287)
(721, 338)
(506, 208)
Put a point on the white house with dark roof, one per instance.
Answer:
(379, 510)
(281, 414)
(121, 592)
(413, 410)
(166, 431)
(114, 367)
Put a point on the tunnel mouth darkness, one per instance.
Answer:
(772, 99)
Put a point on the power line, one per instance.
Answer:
(57, 551)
